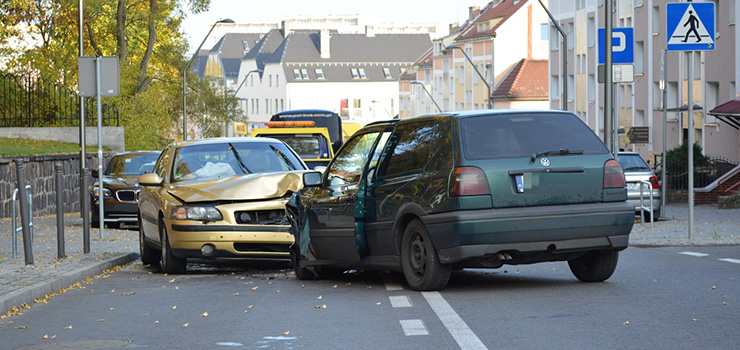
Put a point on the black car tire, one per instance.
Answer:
(170, 263)
(419, 260)
(147, 254)
(302, 273)
(596, 266)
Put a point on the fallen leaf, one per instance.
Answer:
(172, 280)
(334, 286)
(113, 291)
(378, 303)
(255, 287)
(155, 321)
(626, 323)
(21, 327)
(250, 306)
(70, 327)
(693, 319)
(128, 293)
(146, 314)
(46, 336)
(714, 287)
(174, 307)
(320, 297)
(54, 336)
(286, 333)
(111, 309)
(186, 324)
(277, 291)
(235, 294)
(724, 303)
(205, 314)
(101, 320)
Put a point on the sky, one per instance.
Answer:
(441, 12)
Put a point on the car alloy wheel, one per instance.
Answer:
(170, 263)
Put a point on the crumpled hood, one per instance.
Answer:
(244, 187)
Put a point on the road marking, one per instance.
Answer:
(693, 254)
(413, 327)
(734, 261)
(391, 285)
(400, 301)
(464, 336)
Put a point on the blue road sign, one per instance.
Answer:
(690, 26)
(623, 45)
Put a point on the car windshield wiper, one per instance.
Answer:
(239, 158)
(560, 152)
(285, 158)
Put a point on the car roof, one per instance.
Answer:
(217, 140)
(131, 153)
(474, 113)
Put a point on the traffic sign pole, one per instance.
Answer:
(691, 142)
(608, 72)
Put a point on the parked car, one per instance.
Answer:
(429, 194)
(635, 171)
(120, 187)
(218, 198)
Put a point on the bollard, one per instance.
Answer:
(84, 197)
(60, 210)
(21, 179)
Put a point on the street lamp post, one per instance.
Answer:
(427, 91)
(453, 47)
(185, 81)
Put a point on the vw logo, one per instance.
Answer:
(545, 162)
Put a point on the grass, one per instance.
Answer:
(28, 147)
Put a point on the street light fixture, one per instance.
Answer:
(415, 82)
(453, 47)
(185, 81)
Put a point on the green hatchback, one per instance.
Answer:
(429, 194)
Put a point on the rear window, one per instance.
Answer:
(305, 145)
(632, 162)
(522, 135)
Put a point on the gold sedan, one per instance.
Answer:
(218, 198)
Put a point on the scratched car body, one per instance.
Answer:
(428, 194)
(218, 199)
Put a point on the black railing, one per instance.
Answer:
(27, 101)
(677, 173)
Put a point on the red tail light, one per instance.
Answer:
(469, 181)
(655, 183)
(613, 175)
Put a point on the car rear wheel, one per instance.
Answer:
(596, 266)
(147, 254)
(170, 263)
(419, 260)
(302, 273)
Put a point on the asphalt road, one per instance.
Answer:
(675, 298)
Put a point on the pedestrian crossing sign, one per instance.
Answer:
(690, 26)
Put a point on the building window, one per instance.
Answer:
(258, 105)
(277, 80)
(304, 73)
(591, 32)
(297, 73)
(344, 108)
(656, 19)
(246, 45)
(639, 57)
(554, 38)
(319, 73)
(355, 74)
(387, 72)
(362, 73)
(270, 80)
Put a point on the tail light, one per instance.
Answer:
(655, 183)
(469, 181)
(613, 175)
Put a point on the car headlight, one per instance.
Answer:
(106, 192)
(196, 213)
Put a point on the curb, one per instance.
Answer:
(39, 290)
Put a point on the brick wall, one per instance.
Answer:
(39, 173)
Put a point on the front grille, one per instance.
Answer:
(126, 195)
(256, 247)
(261, 217)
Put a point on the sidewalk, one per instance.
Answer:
(21, 284)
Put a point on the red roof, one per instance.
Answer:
(729, 109)
(496, 9)
(527, 80)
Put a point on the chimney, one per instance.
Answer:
(454, 27)
(324, 43)
(473, 11)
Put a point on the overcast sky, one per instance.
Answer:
(441, 12)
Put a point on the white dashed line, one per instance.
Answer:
(391, 285)
(414, 327)
(400, 301)
(734, 261)
(693, 254)
(463, 335)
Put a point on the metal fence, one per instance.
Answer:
(677, 173)
(28, 101)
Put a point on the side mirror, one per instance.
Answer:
(312, 178)
(150, 179)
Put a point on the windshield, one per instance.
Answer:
(207, 161)
(632, 162)
(523, 135)
(131, 164)
(308, 146)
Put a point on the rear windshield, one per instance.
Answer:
(632, 162)
(523, 135)
(305, 145)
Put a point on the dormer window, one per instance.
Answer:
(355, 74)
(297, 73)
(387, 72)
(246, 45)
(362, 73)
(319, 73)
(304, 72)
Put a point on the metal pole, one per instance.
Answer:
(615, 125)
(22, 192)
(60, 210)
(86, 217)
(691, 142)
(665, 132)
(608, 73)
(101, 197)
(565, 55)
(83, 146)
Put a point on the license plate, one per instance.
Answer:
(635, 186)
